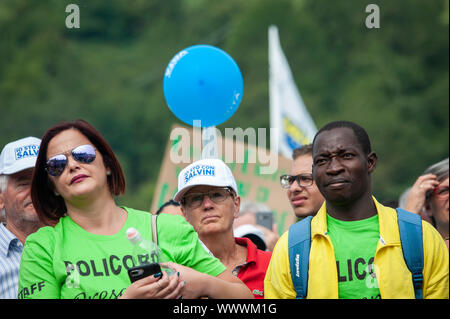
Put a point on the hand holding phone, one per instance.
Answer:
(146, 286)
(144, 270)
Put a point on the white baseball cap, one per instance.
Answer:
(19, 155)
(210, 172)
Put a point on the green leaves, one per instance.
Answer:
(392, 80)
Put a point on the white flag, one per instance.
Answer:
(288, 113)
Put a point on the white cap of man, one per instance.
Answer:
(19, 155)
(17, 161)
(210, 172)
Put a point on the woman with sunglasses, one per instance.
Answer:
(84, 252)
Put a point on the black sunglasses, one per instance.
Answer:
(83, 154)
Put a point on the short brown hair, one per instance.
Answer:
(49, 207)
(302, 150)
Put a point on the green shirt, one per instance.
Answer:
(65, 261)
(355, 244)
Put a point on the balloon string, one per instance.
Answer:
(209, 143)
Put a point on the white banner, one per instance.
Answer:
(287, 111)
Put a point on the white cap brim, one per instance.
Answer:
(18, 167)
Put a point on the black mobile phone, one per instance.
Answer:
(144, 270)
(265, 219)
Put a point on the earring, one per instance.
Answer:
(108, 173)
(56, 193)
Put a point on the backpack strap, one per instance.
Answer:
(410, 227)
(154, 229)
(299, 245)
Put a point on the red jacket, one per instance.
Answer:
(253, 271)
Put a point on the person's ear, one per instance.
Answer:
(372, 160)
(237, 206)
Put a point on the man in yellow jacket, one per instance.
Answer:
(355, 243)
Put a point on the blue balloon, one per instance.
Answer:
(203, 83)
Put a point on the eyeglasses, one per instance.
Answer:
(441, 192)
(304, 180)
(83, 154)
(217, 196)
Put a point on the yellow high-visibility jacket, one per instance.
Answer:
(394, 277)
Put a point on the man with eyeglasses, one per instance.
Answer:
(303, 194)
(17, 162)
(210, 202)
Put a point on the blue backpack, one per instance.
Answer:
(299, 243)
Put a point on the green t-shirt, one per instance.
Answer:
(355, 244)
(65, 261)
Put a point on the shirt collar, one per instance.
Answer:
(388, 224)
(387, 221)
(251, 248)
(7, 240)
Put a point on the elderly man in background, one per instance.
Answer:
(17, 162)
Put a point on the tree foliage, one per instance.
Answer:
(392, 80)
